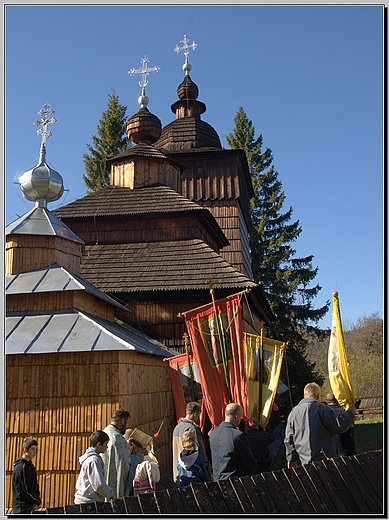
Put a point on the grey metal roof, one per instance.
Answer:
(52, 279)
(73, 331)
(40, 221)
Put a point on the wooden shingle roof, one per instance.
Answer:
(187, 133)
(159, 266)
(117, 200)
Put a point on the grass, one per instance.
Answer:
(369, 437)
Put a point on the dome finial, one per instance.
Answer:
(45, 112)
(143, 100)
(187, 66)
(42, 184)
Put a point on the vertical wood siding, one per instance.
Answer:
(60, 399)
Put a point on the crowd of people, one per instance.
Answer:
(111, 468)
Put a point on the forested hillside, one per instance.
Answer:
(364, 351)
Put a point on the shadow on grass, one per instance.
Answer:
(369, 436)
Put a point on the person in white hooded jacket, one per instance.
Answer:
(91, 485)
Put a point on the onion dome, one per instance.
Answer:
(41, 184)
(144, 127)
(188, 89)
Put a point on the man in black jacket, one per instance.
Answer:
(230, 449)
(25, 488)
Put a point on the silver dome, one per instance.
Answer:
(41, 183)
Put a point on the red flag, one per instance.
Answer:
(216, 336)
(185, 384)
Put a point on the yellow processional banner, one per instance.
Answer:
(263, 361)
(337, 363)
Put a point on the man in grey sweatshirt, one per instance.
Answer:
(311, 428)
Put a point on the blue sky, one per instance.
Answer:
(309, 77)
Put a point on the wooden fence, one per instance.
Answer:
(344, 485)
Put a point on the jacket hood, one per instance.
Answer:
(186, 459)
(90, 452)
(19, 461)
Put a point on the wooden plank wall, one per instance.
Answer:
(122, 231)
(59, 399)
(61, 300)
(230, 219)
(28, 252)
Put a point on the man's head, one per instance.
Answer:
(193, 411)
(312, 390)
(233, 414)
(99, 440)
(254, 423)
(30, 447)
(331, 399)
(120, 419)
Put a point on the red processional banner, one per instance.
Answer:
(186, 385)
(216, 338)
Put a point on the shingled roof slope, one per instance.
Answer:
(117, 200)
(141, 150)
(159, 266)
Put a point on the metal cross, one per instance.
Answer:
(185, 47)
(45, 112)
(144, 71)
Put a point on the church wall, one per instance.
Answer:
(60, 300)
(29, 252)
(61, 398)
(123, 231)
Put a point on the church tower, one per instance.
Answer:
(213, 177)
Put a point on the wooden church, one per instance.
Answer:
(95, 288)
(174, 217)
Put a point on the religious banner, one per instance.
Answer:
(216, 336)
(186, 385)
(264, 359)
(337, 363)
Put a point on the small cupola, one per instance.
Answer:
(38, 239)
(188, 130)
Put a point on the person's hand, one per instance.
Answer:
(352, 409)
(35, 507)
(292, 464)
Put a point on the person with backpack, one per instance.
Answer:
(191, 464)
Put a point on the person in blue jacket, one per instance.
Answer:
(230, 450)
(191, 464)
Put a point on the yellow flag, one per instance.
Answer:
(263, 364)
(337, 363)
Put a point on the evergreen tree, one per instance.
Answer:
(110, 140)
(284, 278)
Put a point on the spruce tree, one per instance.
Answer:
(285, 279)
(111, 140)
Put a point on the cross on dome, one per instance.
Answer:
(144, 71)
(45, 112)
(186, 67)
